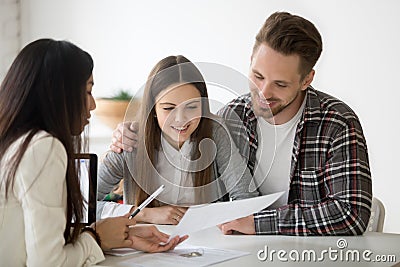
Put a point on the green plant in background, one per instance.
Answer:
(122, 95)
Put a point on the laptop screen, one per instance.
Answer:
(88, 184)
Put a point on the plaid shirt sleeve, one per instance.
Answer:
(241, 122)
(330, 189)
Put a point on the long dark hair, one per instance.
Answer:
(172, 70)
(45, 90)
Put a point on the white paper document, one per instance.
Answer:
(185, 256)
(121, 251)
(201, 217)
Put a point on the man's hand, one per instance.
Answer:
(124, 137)
(150, 239)
(243, 225)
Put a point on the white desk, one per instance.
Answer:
(377, 243)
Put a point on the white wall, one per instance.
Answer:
(359, 64)
(9, 33)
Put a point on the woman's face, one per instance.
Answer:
(178, 110)
(90, 103)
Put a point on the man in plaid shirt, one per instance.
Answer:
(312, 143)
(296, 139)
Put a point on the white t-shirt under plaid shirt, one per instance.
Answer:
(272, 170)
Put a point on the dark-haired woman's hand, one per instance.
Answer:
(113, 232)
(150, 239)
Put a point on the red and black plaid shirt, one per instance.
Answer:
(330, 182)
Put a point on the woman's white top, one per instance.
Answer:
(33, 218)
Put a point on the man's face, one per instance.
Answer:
(277, 90)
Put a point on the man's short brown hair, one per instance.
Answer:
(290, 34)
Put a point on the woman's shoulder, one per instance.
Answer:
(45, 142)
(218, 126)
(44, 154)
(40, 141)
(42, 147)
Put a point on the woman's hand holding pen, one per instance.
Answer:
(162, 215)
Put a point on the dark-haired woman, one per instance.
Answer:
(45, 103)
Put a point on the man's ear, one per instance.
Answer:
(307, 80)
